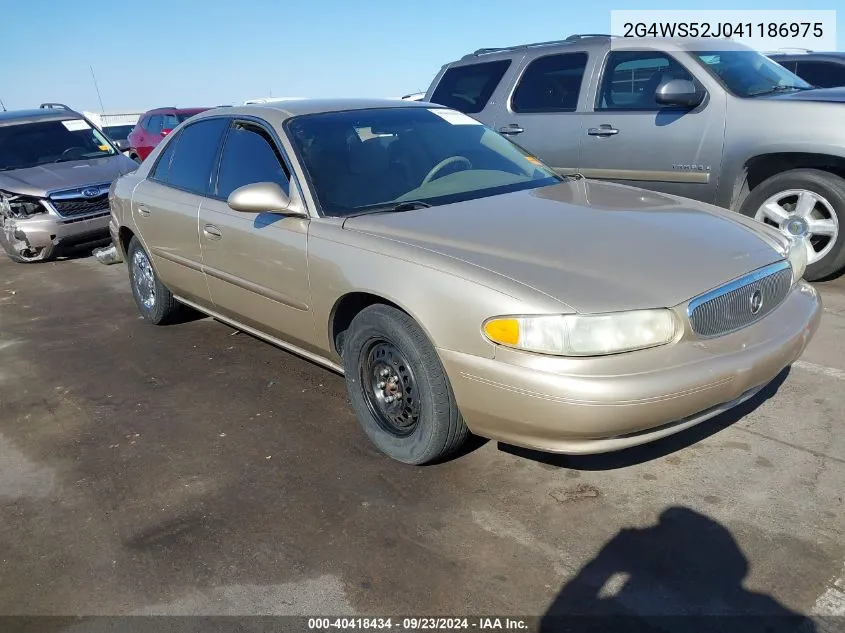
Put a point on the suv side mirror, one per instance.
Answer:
(262, 197)
(678, 92)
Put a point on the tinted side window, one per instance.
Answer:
(822, 74)
(169, 121)
(469, 88)
(249, 156)
(162, 167)
(194, 159)
(631, 79)
(155, 123)
(550, 84)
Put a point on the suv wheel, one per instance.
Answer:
(155, 302)
(810, 203)
(398, 387)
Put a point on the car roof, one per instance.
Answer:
(168, 109)
(287, 109)
(596, 42)
(14, 117)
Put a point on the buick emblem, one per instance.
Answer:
(90, 192)
(756, 301)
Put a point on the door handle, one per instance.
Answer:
(143, 211)
(513, 128)
(212, 232)
(603, 130)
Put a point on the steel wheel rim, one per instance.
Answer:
(143, 279)
(801, 213)
(390, 388)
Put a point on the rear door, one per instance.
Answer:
(541, 112)
(165, 206)
(256, 263)
(628, 137)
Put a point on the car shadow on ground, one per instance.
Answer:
(685, 573)
(653, 450)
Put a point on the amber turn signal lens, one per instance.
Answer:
(504, 331)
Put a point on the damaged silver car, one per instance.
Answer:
(55, 172)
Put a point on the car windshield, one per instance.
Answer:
(362, 161)
(118, 132)
(31, 144)
(747, 73)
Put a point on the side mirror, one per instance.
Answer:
(678, 92)
(166, 131)
(262, 197)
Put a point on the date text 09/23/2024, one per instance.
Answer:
(417, 623)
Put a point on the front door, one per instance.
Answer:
(628, 137)
(542, 112)
(256, 263)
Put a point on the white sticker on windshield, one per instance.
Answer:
(454, 117)
(75, 125)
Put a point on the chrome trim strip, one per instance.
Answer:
(177, 259)
(293, 349)
(751, 277)
(700, 178)
(249, 286)
(76, 192)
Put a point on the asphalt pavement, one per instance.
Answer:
(192, 469)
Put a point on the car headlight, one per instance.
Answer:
(584, 334)
(15, 206)
(796, 254)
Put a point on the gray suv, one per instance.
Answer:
(711, 120)
(56, 168)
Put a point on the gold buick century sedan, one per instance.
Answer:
(457, 282)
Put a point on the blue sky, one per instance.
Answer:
(198, 53)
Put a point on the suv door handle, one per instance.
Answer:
(603, 130)
(143, 211)
(212, 232)
(513, 128)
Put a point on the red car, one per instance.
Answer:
(153, 126)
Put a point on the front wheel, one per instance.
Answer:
(807, 203)
(399, 389)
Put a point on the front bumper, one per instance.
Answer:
(597, 405)
(45, 229)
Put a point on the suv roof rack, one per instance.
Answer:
(793, 49)
(54, 106)
(518, 47)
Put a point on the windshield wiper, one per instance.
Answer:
(774, 89)
(409, 205)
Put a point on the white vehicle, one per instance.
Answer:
(271, 100)
(115, 125)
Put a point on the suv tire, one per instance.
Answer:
(155, 302)
(386, 353)
(827, 193)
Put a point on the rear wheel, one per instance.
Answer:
(155, 302)
(805, 203)
(399, 389)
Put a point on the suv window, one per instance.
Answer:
(154, 124)
(631, 78)
(162, 168)
(193, 160)
(550, 84)
(249, 156)
(469, 88)
(822, 74)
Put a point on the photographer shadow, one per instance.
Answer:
(685, 573)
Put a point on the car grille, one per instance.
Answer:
(741, 302)
(72, 203)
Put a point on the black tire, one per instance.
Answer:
(831, 187)
(163, 308)
(435, 428)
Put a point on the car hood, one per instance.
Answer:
(829, 95)
(39, 181)
(596, 247)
